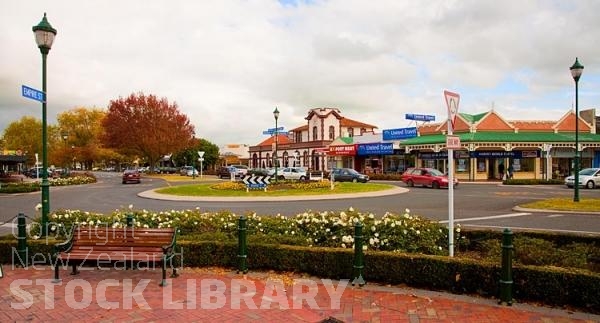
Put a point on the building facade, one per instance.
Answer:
(308, 144)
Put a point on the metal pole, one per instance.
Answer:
(358, 256)
(450, 196)
(45, 184)
(506, 281)
(242, 247)
(129, 220)
(275, 157)
(576, 168)
(22, 240)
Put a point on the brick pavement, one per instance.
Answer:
(214, 294)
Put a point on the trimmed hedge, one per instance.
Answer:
(552, 286)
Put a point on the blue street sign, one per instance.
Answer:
(268, 133)
(33, 94)
(419, 117)
(400, 133)
(273, 129)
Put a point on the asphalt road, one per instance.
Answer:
(475, 205)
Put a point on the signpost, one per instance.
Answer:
(452, 142)
(256, 182)
(272, 131)
(201, 159)
(33, 94)
(419, 117)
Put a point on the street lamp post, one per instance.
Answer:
(276, 115)
(65, 136)
(44, 36)
(576, 71)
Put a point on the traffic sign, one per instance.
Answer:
(452, 100)
(452, 142)
(33, 94)
(273, 129)
(419, 117)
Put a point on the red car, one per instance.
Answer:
(131, 175)
(429, 177)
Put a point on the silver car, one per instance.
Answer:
(588, 177)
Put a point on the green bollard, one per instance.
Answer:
(242, 248)
(506, 281)
(129, 220)
(357, 277)
(22, 240)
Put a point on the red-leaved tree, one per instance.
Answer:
(146, 126)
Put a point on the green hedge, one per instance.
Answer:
(547, 285)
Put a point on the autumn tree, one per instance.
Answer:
(82, 130)
(26, 135)
(146, 126)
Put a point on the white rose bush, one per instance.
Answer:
(391, 232)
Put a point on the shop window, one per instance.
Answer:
(331, 132)
(523, 165)
(315, 133)
(462, 165)
(350, 132)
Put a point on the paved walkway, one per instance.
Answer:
(215, 294)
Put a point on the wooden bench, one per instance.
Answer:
(131, 247)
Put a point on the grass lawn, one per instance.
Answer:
(566, 204)
(206, 190)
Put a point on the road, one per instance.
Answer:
(475, 205)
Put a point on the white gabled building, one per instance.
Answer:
(307, 145)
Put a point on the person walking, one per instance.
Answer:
(501, 170)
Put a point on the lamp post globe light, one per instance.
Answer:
(576, 71)
(44, 36)
(276, 115)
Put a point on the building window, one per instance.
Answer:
(315, 137)
(350, 132)
(331, 132)
(362, 130)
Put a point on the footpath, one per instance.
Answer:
(216, 294)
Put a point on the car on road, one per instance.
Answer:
(348, 175)
(426, 177)
(226, 171)
(131, 176)
(188, 171)
(292, 173)
(588, 178)
(240, 170)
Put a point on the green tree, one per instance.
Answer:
(190, 155)
(25, 135)
(146, 126)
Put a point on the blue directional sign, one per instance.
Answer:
(33, 94)
(273, 129)
(419, 117)
(400, 133)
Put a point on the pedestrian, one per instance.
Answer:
(509, 172)
(501, 170)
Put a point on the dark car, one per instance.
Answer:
(225, 172)
(348, 175)
(131, 176)
(426, 177)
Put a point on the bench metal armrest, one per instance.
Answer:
(64, 246)
(168, 249)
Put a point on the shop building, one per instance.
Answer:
(307, 145)
(492, 146)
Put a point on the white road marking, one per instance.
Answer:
(501, 216)
(534, 229)
(555, 215)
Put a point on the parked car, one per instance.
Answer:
(225, 172)
(188, 171)
(293, 173)
(426, 177)
(258, 171)
(588, 177)
(241, 169)
(348, 175)
(131, 176)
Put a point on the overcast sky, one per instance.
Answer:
(228, 64)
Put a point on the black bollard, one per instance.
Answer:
(22, 240)
(242, 247)
(506, 281)
(129, 220)
(357, 277)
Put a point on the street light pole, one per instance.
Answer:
(44, 36)
(65, 136)
(276, 115)
(576, 71)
